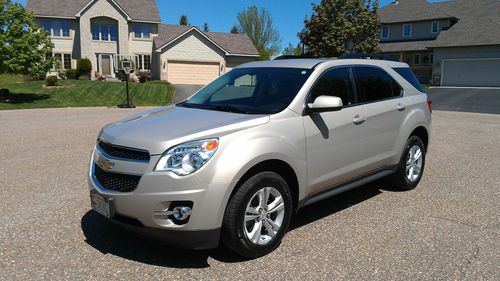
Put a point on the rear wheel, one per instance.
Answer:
(257, 215)
(411, 166)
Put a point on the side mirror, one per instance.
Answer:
(325, 103)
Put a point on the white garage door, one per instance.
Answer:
(193, 73)
(471, 73)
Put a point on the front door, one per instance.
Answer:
(106, 65)
(335, 141)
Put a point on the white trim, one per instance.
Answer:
(145, 21)
(411, 29)
(79, 14)
(432, 25)
(54, 17)
(382, 32)
(242, 55)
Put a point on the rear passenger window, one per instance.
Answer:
(337, 83)
(374, 84)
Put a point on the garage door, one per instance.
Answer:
(471, 73)
(193, 73)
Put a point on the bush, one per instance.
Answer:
(71, 73)
(84, 67)
(143, 76)
(51, 81)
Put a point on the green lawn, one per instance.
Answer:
(25, 95)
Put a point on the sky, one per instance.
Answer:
(288, 15)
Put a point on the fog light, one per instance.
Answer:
(181, 213)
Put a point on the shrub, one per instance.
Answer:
(143, 76)
(84, 67)
(71, 73)
(51, 81)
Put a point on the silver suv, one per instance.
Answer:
(235, 161)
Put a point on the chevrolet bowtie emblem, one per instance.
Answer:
(105, 164)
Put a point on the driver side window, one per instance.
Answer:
(335, 82)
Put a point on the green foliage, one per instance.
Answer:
(71, 73)
(183, 20)
(84, 67)
(51, 81)
(291, 50)
(258, 25)
(234, 30)
(24, 47)
(341, 26)
(205, 27)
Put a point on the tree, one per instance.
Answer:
(25, 48)
(291, 50)
(183, 20)
(205, 27)
(234, 30)
(258, 25)
(340, 26)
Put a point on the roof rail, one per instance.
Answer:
(290, 57)
(367, 56)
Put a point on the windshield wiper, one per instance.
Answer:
(228, 108)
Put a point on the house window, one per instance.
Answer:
(142, 31)
(384, 33)
(64, 59)
(407, 30)
(143, 62)
(56, 28)
(416, 59)
(435, 27)
(104, 32)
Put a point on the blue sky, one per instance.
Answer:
(288, 15)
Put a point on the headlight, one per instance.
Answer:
(186, 158)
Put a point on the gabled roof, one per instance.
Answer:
(231, 44)
(411, 10)
(143, 10)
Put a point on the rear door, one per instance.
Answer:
(385, 108)
(334, 140)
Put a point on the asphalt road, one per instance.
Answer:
(446, 229)
(466, 99)
(183, 92)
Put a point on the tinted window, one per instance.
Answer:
(374, 84)
(335, 82)
(259, 90)
(407, 74)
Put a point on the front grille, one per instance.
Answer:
(114, 181)
(124, 152)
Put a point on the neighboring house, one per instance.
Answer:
(452, 43)
(108, 31)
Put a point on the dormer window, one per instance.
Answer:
(407, 28)
(384, 32)
(142, 31)
(56, 27)
(435, 27)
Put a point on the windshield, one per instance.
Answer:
(260, 90)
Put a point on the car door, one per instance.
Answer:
(334, 140)
(385, 108)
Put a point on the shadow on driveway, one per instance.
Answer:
(466, 100)
(111, 239)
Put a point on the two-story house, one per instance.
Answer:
(108, 31)
(452, 43)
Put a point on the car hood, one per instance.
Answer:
(158, 129)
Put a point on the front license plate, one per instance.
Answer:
(100, 204)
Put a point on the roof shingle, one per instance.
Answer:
(144, 10)
(411, 10)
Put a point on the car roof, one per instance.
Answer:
(312, 63)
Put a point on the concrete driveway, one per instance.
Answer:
(446, 229)
(183, 92)
(466, 99)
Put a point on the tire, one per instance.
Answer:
(240, 228)
(402, 179)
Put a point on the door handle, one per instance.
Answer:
(358, 120)
(401, 107)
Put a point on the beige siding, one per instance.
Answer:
(192, 72)
(141, 47)
(194, 46)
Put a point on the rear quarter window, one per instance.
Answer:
(409, 76)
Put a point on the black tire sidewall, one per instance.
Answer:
(407, 184)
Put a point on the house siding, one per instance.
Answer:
(420, 30)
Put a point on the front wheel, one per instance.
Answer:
(258, 215)
(411, 166)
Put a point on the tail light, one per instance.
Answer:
(429, 103)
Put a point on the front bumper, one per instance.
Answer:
(140, 210)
